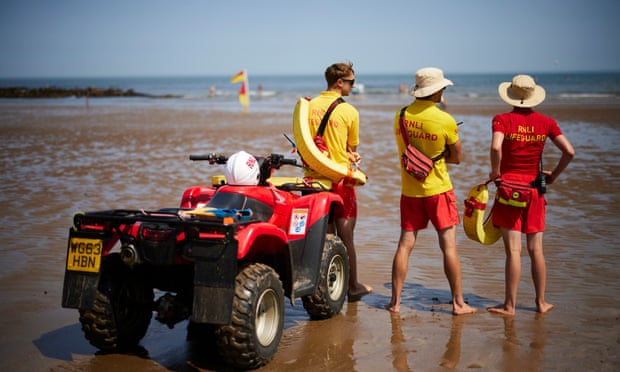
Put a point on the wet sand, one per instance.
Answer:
(59, 160)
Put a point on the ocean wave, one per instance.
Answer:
(588, 95)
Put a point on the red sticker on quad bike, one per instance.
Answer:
(299, 222)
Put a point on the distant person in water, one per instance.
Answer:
(403, 89)
(516, 166)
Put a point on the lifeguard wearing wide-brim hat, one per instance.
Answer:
(424, 130)
(429, 80)
(524, 94)
(516, 156)
(522, 91)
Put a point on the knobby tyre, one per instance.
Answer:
(122, 309)
(331, 291)
(252, 338)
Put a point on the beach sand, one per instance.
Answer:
(59, 160)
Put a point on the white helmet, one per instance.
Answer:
(242, 169)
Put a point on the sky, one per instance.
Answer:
(118, 38)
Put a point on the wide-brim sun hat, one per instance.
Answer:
(522, 91)
(429, 80)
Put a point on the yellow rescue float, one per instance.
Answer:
(477, 227)
(315, 159)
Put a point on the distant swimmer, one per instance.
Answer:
(403, 89)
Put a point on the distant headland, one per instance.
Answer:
(55, 92)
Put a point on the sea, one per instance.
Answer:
(276, 93)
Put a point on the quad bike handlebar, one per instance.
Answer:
(212, 158)
(275, 161)
(267, 163)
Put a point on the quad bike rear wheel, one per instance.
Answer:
(122, 309)
(330, 294)
(252, 338)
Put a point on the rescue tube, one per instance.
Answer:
(315, 159)
(477, 227)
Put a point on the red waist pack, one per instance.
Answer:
(414, 161)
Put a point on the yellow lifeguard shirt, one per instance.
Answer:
(430, 130)
(341, 131)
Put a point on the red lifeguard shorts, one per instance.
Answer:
(349, 198)
(528, 220)
(440, 209)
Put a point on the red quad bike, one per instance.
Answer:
(225, 259)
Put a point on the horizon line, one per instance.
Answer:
(222, 75)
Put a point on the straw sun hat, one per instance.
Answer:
(429, 80)
(522, 91)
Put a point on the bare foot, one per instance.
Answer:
(544, 307)
(502, 310)
(359, 291)
(463, 309)
(393, 308)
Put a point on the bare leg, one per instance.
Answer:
(539, 270)
(452, 269)
(400, 266)
(345, 228)
(512, 246)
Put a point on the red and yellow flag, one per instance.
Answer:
(239, 77)
(244, 99)
(242, 77)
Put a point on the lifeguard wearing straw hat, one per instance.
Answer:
(522, 91)
(429, 80)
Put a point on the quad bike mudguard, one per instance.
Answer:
(84, 260)
(306, 242)
(306, 256)
(215, 269)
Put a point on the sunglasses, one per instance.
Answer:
(350, 81)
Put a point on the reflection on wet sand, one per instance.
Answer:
(331, 342)
(515, 352)
(452, 355)
(519, 353)
(399, 346)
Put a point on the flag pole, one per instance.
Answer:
(247, 90)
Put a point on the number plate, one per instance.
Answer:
(84, 255)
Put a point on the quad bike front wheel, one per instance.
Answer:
(122, 309)
(330, 294)
(252, 338)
